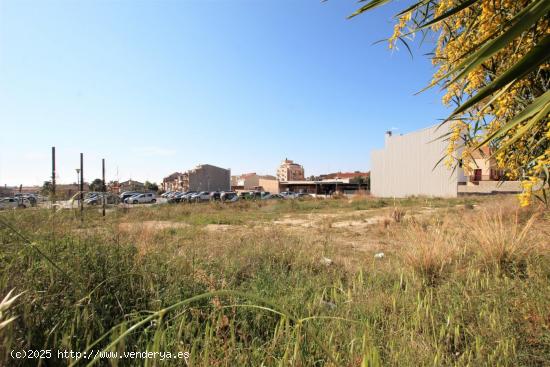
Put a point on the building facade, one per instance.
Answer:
(290, 171)
(206, 177)
(483, 167)
(353, 177)
(130, 185)
(269, 184)
(324, 187)
(249, 181)
(177, 181)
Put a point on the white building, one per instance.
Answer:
(407, 166)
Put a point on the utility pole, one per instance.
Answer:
(53, 176)
(81, 187)
(104, 187)
(77, 183)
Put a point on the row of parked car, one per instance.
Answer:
(199, 196)
(20, 201)
(226, 196)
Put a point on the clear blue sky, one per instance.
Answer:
(161, 86)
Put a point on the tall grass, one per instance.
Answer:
(460, 287)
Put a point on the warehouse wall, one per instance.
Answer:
(405, 167)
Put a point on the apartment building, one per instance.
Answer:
(177, 181)
(206, 177)
(290, 171)
(130, 185)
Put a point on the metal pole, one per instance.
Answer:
(104, 187)
(81, 187)
(77, 182)
(53, 176)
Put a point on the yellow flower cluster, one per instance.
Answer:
(526, 196)
(398, 28)
(457, 128)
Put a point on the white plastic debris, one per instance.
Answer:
(379, 255)
(326, 261)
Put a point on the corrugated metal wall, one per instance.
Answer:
(405, 166)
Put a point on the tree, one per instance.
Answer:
(96, 185)
(361, 180)
(151, 186)
(492, 60)
(47, 188)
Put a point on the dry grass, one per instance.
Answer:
(287, 283)
(430, 250)
(505, 242)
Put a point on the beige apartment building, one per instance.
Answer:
(249, 181)
(177, 181)
(290, 171)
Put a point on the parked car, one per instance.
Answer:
(186, 197)
(215, 195)
(228, 196)
(14, 203)
(272, 197)
(172, 198)
(200, 196)
(175, 197)
(125, 195)
(31, 198)
(173, 194)
(98, 199)
(94, 200)
(250, 195)
(148, 197)
(287, 195)
(302, 195)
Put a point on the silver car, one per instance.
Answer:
(148, 197)
(14, 203)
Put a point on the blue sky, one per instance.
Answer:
(161, 86)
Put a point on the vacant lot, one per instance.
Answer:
(338, 282)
